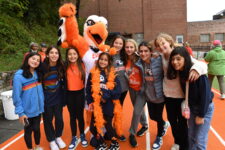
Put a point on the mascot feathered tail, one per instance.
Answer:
(89, 46)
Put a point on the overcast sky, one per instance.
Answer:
(198, 10)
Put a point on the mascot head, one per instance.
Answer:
(67, 10)
(95, 30)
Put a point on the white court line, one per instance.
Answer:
(147, 133)
(16, 139)
(20, 136)
(13, 141)
(217, 135)
(216, 91)
(212, 129)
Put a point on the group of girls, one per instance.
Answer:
(44, 88)
(160, 80)
(155, 79)
(143, 76)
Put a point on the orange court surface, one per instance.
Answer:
(216, 134)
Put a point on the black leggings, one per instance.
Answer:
(177, 121)
(108, 126)
(122, 97)
(75, 105)
(34, 125)
(155, 111)
(51, 131)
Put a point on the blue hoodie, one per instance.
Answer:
(28, 96)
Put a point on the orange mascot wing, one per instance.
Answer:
(68, 31)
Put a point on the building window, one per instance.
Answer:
(138, 37)
(205, 38)
(179, 38)
(219, 36)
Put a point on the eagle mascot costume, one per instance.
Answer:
(89, 46)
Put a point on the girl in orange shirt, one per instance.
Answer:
(134, 77)
(75, 76)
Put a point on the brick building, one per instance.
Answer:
(202, 33)
(141, 19)
(144, 19)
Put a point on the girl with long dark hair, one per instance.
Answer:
(199, 98)
(75, 79)
(28, 98)
(103, 92)
(53, 84)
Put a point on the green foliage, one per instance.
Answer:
(25, 21)
(14, 8)
(15, 39)
(81, 22)
(42, 12)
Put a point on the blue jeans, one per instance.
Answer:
(198, 134)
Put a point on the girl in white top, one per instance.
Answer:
(173, 92)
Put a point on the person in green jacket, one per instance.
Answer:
(216, 65)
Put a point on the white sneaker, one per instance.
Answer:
(60, 142)
(53, 145)
(38, 148)
(222, 96)
(175, 147)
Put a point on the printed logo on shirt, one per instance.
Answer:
(134, 76)
(102, 84)
(95, 55)
(102, 78)
(119, 68)
(118, 62)
(149, 75)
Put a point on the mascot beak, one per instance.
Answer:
(98, 33)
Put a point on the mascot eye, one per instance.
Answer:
(106, 26)
(90, 22)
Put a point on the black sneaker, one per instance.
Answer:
(158, 143)
(132, 140)
(142, 131)
(102, 146)
(122, 138)
(114, 146)
(106, 136)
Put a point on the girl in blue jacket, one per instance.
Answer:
(28, 98)
(103, 92)
(199, 98)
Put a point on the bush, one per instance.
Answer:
(14, 8)
(24, 21)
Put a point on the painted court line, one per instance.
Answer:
(215, 91)
(13, 141)
(147, 133)
(20, 136)
(212, 129)
(217, 135)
